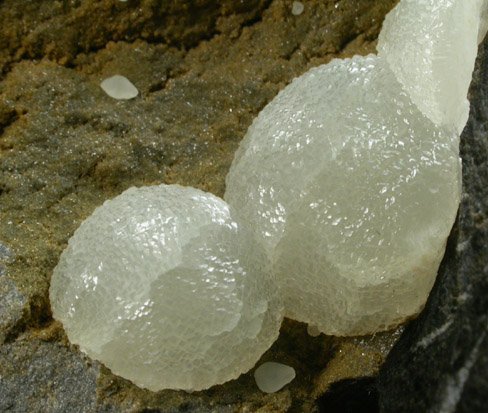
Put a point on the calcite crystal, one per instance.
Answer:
(162, 287)
(353, 191)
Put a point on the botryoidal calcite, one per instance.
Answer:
(345, 188)
(351, 186)
(162, 287)
(354, 192)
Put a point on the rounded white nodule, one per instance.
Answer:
(313, 330)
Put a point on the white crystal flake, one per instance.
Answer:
(119, 87)
(271, 377)
(352, 191)
(162, 287)
(431, 46)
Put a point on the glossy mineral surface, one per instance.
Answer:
(353, 191)
(431, 46)
(162, 287)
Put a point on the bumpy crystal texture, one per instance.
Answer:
(353, 192)
(431, 46)
(163, 287)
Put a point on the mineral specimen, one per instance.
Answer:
(162, 287)
(349, 181)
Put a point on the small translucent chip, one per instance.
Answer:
(272, 377)
(297, 8)
(119, 87)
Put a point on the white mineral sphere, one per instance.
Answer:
(352, 191)
(431, 46)
(161, 286)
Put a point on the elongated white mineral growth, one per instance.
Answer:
(353, 191)
(351, 186)
(162, 287)
(431, 46)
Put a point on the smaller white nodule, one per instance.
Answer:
(272, 377)
(119, 87)
(297, 8)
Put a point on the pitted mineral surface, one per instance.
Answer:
(353, 192)
(163, 287)
(431, 46)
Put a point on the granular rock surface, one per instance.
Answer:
(63, 373)
(203, 70)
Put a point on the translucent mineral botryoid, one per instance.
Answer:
(162, 287)
(354, 192)
(351, 176)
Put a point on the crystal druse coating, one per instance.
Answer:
(162, 287)
(353, 191)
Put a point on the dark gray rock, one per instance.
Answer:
(12, 302)
(440, 364)
(38, 376)
(5, 253)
